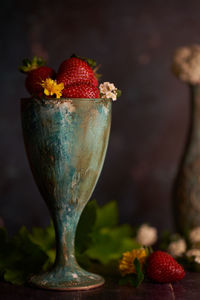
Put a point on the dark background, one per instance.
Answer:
(134, 41)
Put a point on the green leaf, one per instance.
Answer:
(83, 260)
(119, 93)
(17, 277)
(124, 280)
(133, 279)
(91, 62)
(85, 227)
(100, 242)
(45, 238)
(130, 279)
(165, 239)
(139, 273)
(27, 254)
(20, 256)
(109, 244)
(107, 215)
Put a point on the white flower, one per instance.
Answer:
(193, 252)
(186, 64)
(194, 235)
(110, 95)
(108, 91)
(107, 87)
(177, 248)
(146, 235)
(197, 259)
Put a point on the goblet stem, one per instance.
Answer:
(65, 229)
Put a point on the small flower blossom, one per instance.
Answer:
(110, 95)
(146, 235)
(126, 264)
(193, 252)
(51, 87)
(194, 235)
(177, 248)
(197, 259)
(186, 64)
(108, 91)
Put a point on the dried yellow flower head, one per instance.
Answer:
(51, 87)
(126, 264)
(186, 64)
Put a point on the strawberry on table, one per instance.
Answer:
(36, 72)
(162, 267)
(77, 70)
(80, 90)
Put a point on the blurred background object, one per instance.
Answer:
(1, 222)
(134, 42)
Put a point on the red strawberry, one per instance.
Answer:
(162, 267)
(94, 81)
(35, 77)
(76, 70)
(36, 72)
(80, 90)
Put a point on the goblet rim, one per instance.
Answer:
(57, 100)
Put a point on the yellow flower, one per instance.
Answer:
(126, 264)
(51, 87)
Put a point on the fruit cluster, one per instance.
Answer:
(158, 266)
(76, 78)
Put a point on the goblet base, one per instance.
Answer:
(64, 280)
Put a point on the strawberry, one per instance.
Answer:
(35, 78)
(162, 267)
(36, 72)
(80, 90)
(94, 81)
(76, 70)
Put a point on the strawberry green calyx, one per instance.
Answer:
(97, 75)
(119, 93)
(28, 65)
(91, 62)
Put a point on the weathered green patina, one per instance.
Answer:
(187, 185)
(66, 142)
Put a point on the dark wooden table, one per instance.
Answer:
(188, 288)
